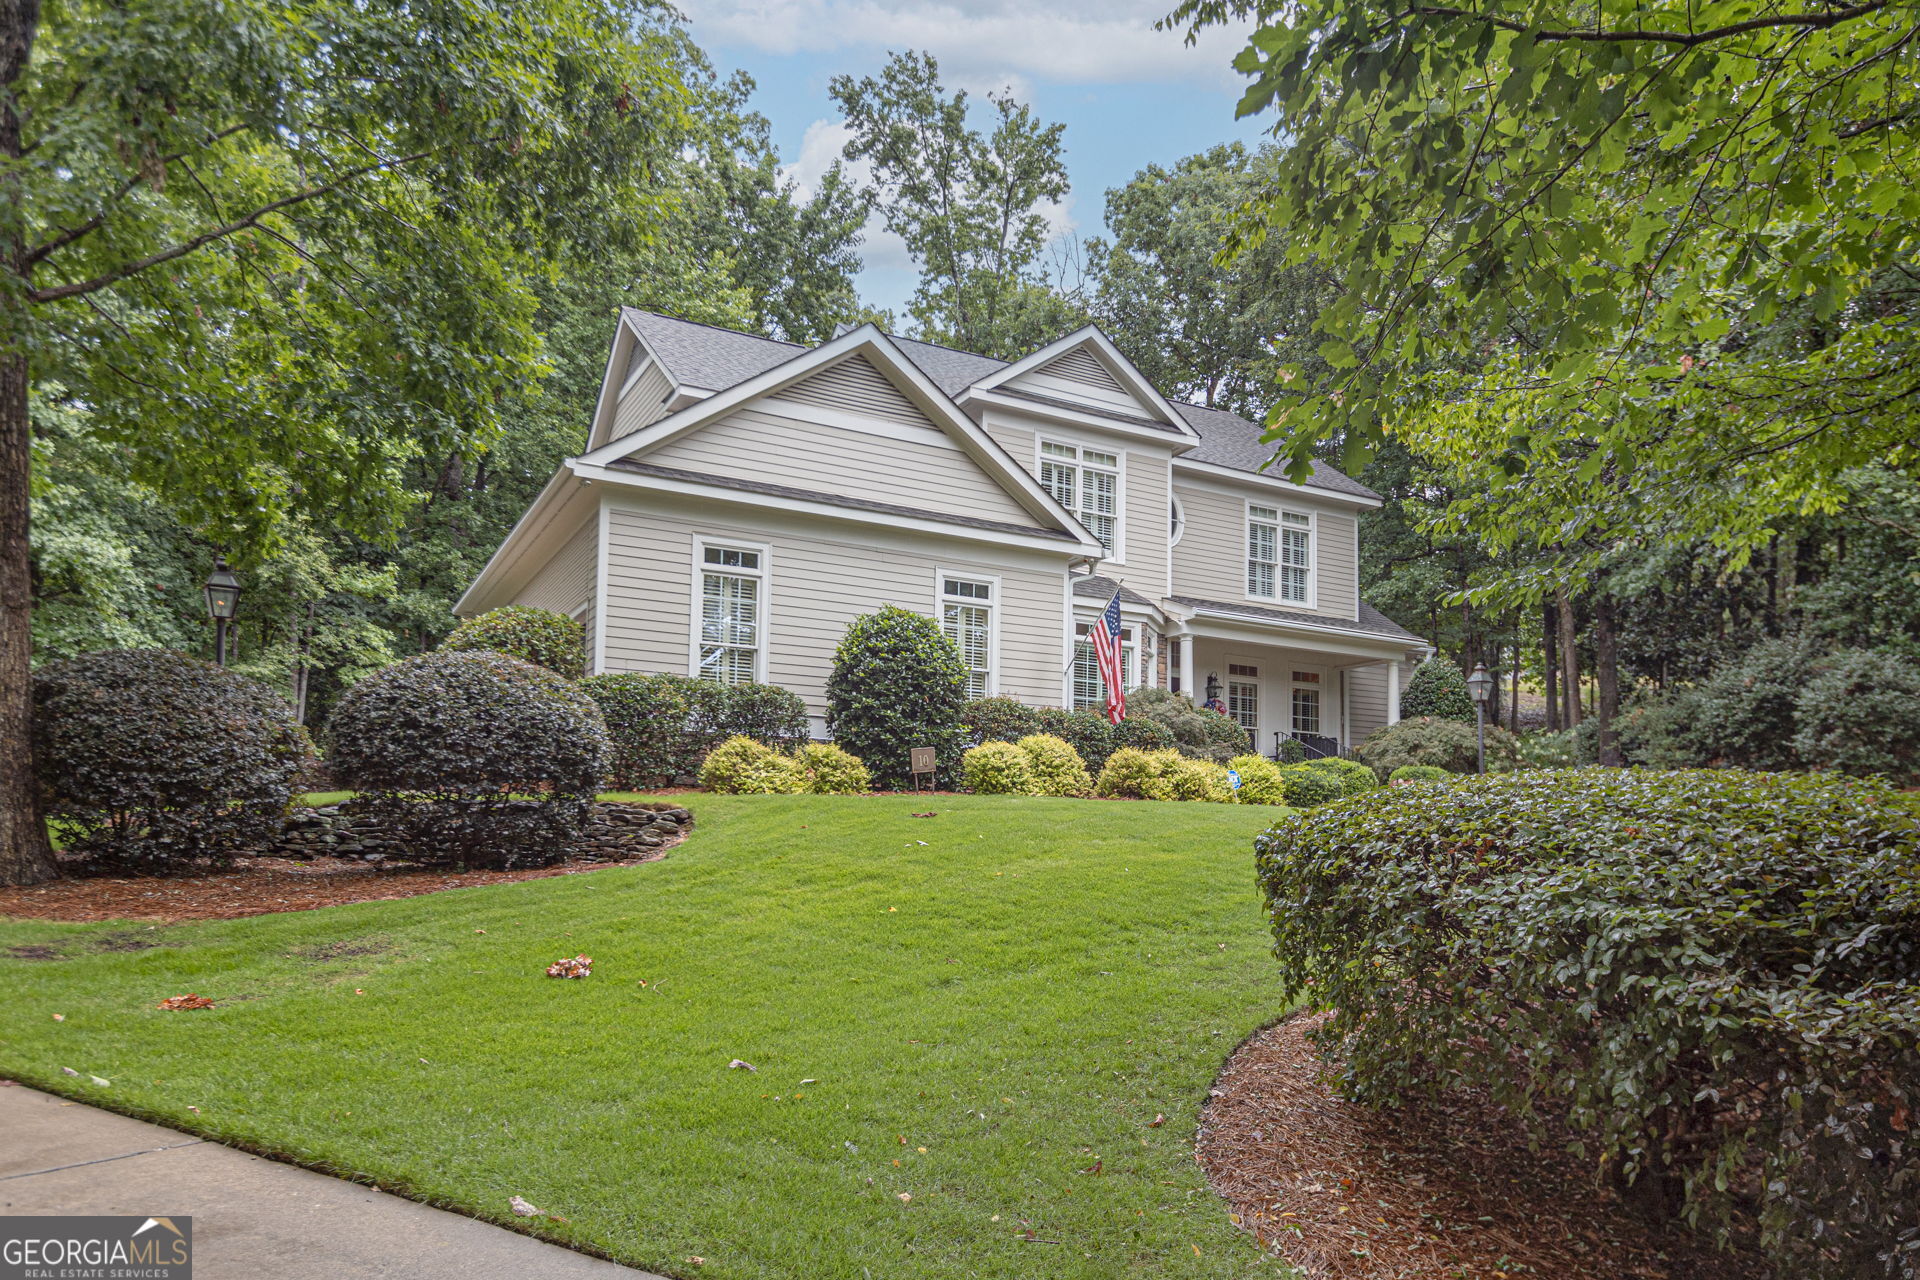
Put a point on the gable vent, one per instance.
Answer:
(857, 386)
(1082, 365)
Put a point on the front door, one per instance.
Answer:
(1310, 711)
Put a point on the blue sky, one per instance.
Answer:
(1129, 95)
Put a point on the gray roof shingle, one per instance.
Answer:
(713, 359)
(1370, 619)
(1096, 585)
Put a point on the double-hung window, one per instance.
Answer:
(966, 615)
(1089, 690)
(1087, 483)
(1243, 697)
(1279, 555)
(732, 632)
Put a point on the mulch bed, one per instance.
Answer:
(258, 886)
(1447, 1191)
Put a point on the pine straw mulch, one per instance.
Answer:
(1442, 1192)
(258, 886)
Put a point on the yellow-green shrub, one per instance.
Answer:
(1190, 779)
(1260, 780)
(1132, 774)
(832, 770)
(1056, 768)
(997, 769)
(741, 766)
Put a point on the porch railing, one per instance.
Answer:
(1317, 745)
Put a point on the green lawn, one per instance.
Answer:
(985, 1017)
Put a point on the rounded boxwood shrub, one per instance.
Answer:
(1308, 787)
(1087, 732)
(1437, 689)
(897, 683)
(999, 720)
(1860, 714)
(1420, 773)
(150, 756)
(1444, 744)
(1142, 734)
(832, 770)
(997, 769)
(1352, 776)
(540, 636)
(1260, 780)
(1709, 974)
(476, 758)
(743, 766)
(1056, 768)
(1132, 774)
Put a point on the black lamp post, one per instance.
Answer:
(1480, 685)
(222, 591)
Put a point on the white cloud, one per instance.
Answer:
(985, 44)
(820, 146)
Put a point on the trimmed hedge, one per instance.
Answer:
(663, 726)
(475, 758)
(1712, 971)
(1420, 773)
(832, 770)
(1087, 732)
(1444, 744)
(743, 766)
(897, 683)
(1260, 780)
(997, 769)
(150, 756)
(540, 636)
(1162, 775)
(1352, 776)
(998, 720)
(1055, 767)
(1308, 787)
(1437, 689)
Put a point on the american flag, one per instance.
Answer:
(1106, 649)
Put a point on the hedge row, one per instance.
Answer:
(1711, 973)
(663, 726)
(746, 766)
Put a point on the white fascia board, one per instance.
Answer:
(867, 340)
(522, 538)
(1391, 644)
(609, 402)
(1214, 471)
(1089, 418)
(833, 511)
(1091, 336)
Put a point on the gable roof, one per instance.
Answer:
(1089, 343)
(796, 363)
(703, 357)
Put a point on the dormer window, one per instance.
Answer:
(1087, 483)
(1279, 555)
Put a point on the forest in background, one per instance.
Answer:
(1652, 603)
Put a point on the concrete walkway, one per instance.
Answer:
(251, 1217)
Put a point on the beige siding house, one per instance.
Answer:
(741, 500)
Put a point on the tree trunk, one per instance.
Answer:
(1569, 662)
(1513, 698)
(1550, 660)
(1606, 702)
(26, 857)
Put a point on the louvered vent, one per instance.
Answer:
(857, 386)
(1083, 366)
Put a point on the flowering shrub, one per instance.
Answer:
(1712, 971)
(997, 769)
(540, 636)
(1056, 768)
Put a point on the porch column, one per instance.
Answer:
(1393, 692)
(1186, 667)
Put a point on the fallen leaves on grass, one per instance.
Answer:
(522, 1209)
(188, 1001)
(741, 1064)
(59, 1017)
(577, 967)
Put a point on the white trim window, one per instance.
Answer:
(1279, 555)
(1089, 690)
(730, 635)
(966, 616)
(1243, 697)
(1306, 702)
(1087, 483)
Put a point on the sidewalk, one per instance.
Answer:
(253, 1218)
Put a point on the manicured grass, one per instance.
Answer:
(993, 1006)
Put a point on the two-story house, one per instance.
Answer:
(741, 500)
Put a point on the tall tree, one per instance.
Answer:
(281, 249)
(969, 204)
(1673, 238)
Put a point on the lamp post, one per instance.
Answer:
(222, 591)
(1213, 689)
(1480, 685)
